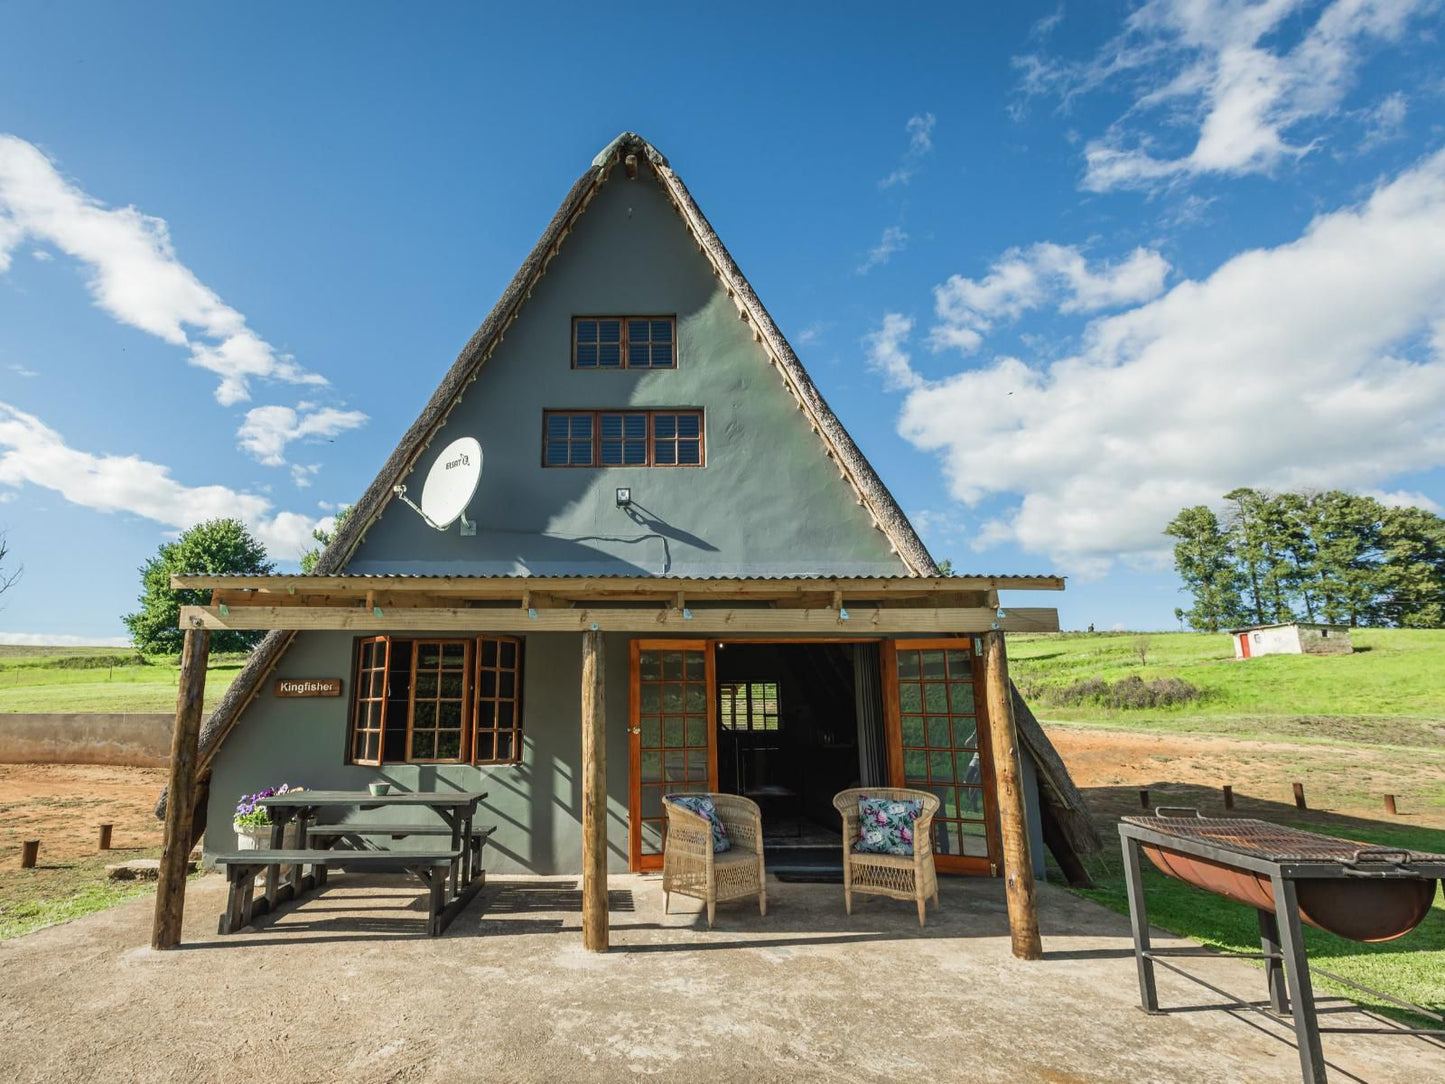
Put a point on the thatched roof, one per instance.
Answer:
(630, 150)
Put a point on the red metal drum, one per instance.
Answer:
(1360, 910)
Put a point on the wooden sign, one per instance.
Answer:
(308, 686)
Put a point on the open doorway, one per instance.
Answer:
(790, 735)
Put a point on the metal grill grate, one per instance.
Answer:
(1274, 842)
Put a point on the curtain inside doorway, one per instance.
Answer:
(868, 696)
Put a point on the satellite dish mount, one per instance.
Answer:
(450, 485)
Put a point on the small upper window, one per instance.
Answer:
(624, 342)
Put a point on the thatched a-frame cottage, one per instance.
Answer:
(665, 489)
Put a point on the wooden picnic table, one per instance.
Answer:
(457, 810)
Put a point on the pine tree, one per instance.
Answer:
(1413, 570)
(1206, 564)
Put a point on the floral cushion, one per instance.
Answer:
(702, 804)
(885, 825)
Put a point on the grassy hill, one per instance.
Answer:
(100, 679)
(1390, 691)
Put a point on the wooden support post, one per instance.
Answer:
(181, 792)
(594, 795)
(1228, 796)
(1143, 798)
(29, 851)
(1023, 914)
(1390, 805)
(1299, 796)
(104, 842)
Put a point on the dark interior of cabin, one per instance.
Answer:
(788, 736)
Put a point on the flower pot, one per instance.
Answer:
(252, 839)
(378, 789)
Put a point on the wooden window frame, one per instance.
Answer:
(469, 700)
(749, 712)
(357, 670)
(515, 730)
(671, 320)
(464, 730)
(651, 415)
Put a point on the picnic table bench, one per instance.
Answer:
(458, 864)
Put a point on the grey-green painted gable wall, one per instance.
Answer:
(769, 500)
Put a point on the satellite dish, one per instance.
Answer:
(450, 485)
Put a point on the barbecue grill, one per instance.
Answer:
(1287, 875)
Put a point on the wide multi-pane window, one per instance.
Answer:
(622, 438)
(498, 733)
(437, 701)
(624, 342)
(941, 751)
(748, 705)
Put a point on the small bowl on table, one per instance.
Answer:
(378, 789)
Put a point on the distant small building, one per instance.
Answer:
(1296, 638)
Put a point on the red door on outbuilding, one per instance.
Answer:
(1244, 645)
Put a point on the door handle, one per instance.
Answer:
(634, 730)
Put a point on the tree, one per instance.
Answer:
(1413, 569)
(1205, 563)
(218, 547)
(7, 579)
(323, 538)
(1259, 535)
(1348, 548)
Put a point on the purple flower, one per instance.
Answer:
(905, 834)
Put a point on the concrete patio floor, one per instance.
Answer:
(342, 987)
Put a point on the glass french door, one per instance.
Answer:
(671, 736)
(938, 742)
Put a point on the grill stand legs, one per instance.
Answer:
(1301, 994)
(1139, 919)
(1273, 964)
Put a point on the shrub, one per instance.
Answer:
(1130, 693)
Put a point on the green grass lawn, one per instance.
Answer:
(99, 680)
(33, 898)
(1391, 691)
(1412, 967)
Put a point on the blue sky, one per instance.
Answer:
(1061, 270)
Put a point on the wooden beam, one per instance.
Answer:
(180, 794)
(1023, 914)
(594, 795)
(862, 621)
(510, 587)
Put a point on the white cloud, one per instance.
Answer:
(1401, 498)
(1384, 122)
(1224, 70)
(886, 354)
(893, 240)
(268, 429)
(920, 143)
(55, 639)
(41, 254)
(813, 332)
(135, 275)
(1024, 279)
(1319, 363)
(302, 476)
(20, 370)
(32, 452)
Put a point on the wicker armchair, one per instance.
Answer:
(903, 877)
(689, 866)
